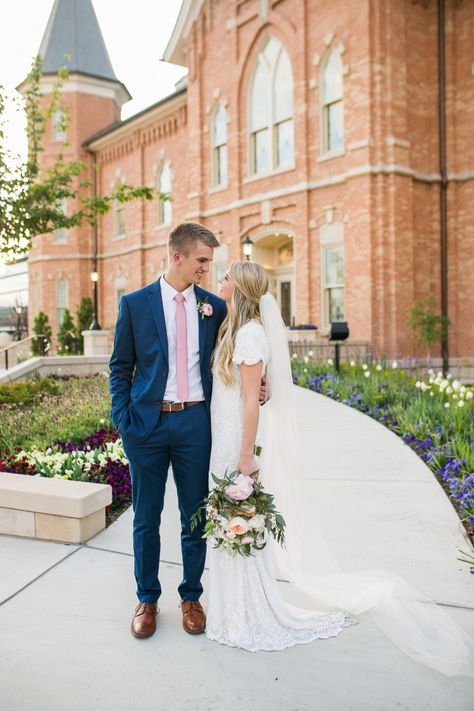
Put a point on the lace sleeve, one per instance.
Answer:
(250, 345)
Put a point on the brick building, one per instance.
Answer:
(310, 126)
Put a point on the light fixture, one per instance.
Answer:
(247, 246)
(95, 276)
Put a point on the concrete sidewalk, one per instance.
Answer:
(65, 610)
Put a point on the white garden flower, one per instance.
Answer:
(456, 384)
(364, 366)
(352, 363)
(294, 355)
(395, 364)
(330, 361)
(431, 393)
(449, 376)
(310, 353)
(305, 370)
(306, 359)
(461, 403)
(367, 373)
(449, 390)
(446, 404)
(379, 367)
(101, 421)
(469, 395)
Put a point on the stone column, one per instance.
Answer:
(96, 343)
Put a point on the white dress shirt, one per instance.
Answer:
(192, 327)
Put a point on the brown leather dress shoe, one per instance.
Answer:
(194, 619)
(144, 620)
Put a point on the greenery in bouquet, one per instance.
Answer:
(240, 515)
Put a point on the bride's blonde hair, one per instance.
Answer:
(250, 283)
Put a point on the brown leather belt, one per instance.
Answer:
(177, 406)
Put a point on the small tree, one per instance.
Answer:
(66, 334)
(41, 327)
(429, 327)
(32, 191)
(83, 319)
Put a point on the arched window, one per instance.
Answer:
(219, 146)
(164, 188)
(271, 110)
(332, 106)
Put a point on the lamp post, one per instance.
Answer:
(247, 245)
(18, 310)
(95, 326)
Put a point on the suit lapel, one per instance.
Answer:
(156, 304)
(203, 326)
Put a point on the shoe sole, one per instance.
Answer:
(142, 636)
(191, 632)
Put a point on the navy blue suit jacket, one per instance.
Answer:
(139, 361)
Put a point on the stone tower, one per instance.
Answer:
(60, 263)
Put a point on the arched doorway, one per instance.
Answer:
(275, 252)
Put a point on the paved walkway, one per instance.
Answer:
(65, 610)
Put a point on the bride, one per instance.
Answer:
(245, 606)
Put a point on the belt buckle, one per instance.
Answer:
(169, 406)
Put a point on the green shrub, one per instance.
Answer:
(41, 327)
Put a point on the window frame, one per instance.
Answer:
(272, 126)
(164, 220)
(61, 309)
(218, 149)
(326, 106)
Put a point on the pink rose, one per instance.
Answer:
(247, 539)
(207, 309)
(241, 489)
(238, 525)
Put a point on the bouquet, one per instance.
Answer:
(240, 515)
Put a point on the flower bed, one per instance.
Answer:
(434, 416)
(99, 459)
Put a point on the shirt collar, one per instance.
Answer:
(169, 292)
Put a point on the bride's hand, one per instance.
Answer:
(247, 464)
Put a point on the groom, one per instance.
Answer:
(160, 384)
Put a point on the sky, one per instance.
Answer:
(135, 33)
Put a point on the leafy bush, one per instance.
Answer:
(78, 407)
(66, 334)
(41, 327)
(25, 393)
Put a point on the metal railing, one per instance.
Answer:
(320, 352)
(44, 344)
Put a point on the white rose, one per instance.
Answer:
(257, 522)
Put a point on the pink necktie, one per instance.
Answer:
(181, 350)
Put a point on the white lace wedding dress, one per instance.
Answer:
(245, 606)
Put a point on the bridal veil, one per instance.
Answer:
(413, 621)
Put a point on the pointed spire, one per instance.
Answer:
(73, 39)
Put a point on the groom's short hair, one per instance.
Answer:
(184, 236)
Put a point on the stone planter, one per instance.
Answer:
(52, 509)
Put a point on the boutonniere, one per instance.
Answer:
(204, 308)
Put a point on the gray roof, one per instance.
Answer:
(73, 39)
